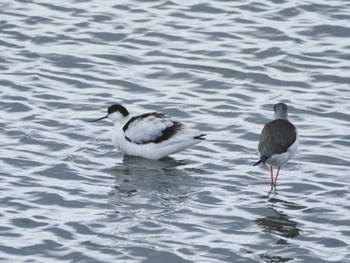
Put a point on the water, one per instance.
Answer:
(219, 66)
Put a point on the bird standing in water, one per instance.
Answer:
(278, 142)
(152, 135)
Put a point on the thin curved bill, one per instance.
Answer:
(99, 119)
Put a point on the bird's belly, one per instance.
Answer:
(278, 159)
(156, 150)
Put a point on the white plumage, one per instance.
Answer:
(152, 135)
(148, 128)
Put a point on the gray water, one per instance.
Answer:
(67, 195)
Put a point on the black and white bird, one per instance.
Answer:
(152, 135)
(278, 142)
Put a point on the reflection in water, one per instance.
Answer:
(146, 195)
(166, 178)
(166, 162)
(271, 258)
(279, 224)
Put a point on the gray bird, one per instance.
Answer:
(278, 142)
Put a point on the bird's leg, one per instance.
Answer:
(279, 167)
(271, 171)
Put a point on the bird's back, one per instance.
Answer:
(276, 137)
(155, 135)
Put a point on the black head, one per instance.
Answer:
(114, 108)
(118, 108)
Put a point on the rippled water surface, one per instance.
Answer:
(67, 195)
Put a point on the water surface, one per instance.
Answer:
(68, 196)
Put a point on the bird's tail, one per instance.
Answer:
(262, 160)
(258, 162)
(200, 137)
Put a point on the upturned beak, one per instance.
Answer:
(99, 119)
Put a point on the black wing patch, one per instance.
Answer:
(143, 116)
(160, 135)
(168, 132)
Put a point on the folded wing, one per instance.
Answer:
(276, 137)
(151, 127)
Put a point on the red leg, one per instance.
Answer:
(279, 167)
(271, 171)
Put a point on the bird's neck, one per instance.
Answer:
(121, 122)
(280, 115)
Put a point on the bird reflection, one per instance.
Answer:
(163, 177)
(279, 223)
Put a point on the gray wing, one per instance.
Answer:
(276, 137)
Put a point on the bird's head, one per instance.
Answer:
(116, 113)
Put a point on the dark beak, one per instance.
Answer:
(99, 119)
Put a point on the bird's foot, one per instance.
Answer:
(271, 188)
(274, 186)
